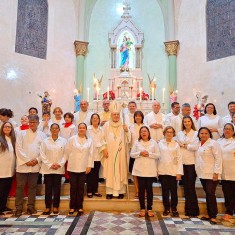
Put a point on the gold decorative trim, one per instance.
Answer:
(171, 47)
(81, 48)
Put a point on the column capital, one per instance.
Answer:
(171, 47)
(81, 48)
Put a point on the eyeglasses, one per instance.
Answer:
(228, 129)
(169, 132)
(7, 127)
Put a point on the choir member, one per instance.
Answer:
(231, 110)
(79, 154)
(58, 118)
(94, 131)
(227, 144)
(7, 162)
(187, 139)
(5, 116)
(84, 115)
(170, 169)
(68, 129)
(211, 120)
(209, 169)
(145, 151)
(175, 111)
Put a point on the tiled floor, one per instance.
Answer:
(95, 223)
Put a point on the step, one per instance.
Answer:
(125, 205)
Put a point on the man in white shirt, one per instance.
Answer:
(105, 114)
(175, 111)
(155, 120)
(231, 109)
(83, 115)
(177, 121)
(129, 117)
(28, 144)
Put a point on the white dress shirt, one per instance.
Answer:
(145, 166)
(7, 161)
(52, 152)
(28, 148)
(169, 118)
(228, 158)
(170, 161)
(226, 119)
(190, 139)
(208, 159)
(79, 153)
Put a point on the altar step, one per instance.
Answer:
(127, 205)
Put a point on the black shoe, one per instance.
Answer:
(213, 222)
(166, 213)
(46, 212)
(89, 195)
(18, 213)
(130, 181)
(121, 196)
(205, 218)
(175, 214)
(109, 196)
(66, 181)
(97, 195)
(71, 212)
(31, 211)
(101, 180)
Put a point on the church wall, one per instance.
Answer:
(55, 74)
(214, 78)
(149, 20)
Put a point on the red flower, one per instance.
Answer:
(144, 96)
(111, 95)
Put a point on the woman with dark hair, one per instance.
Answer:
(5, 116)
(187, 140)
(53, 160)
(7, 162)
(170, 169)
(79, 153)
(209, 169)
(227, 144)
(145, 151)
(211, 120)
(134, 130)
(94, 131)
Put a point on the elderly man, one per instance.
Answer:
(105, 114)
(177, 122)
(83, 115)
(155, 120)
(28, 144)
(231, 109)
(114, 160)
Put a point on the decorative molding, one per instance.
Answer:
(171, 47)
(81, 48)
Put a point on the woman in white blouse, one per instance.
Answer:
(187, 139)
(211, 120)
(135, 129)
(53, 160)
(7, 162)
(170, 169)
(79, 153)
(145, 151)
(209, 168)
(94, 131)
(227, 144)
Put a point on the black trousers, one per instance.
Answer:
(92, 179)
(5, 186)
(228, 187)
(169, 186)
(191, 203)
(52, 189)
(77, 182)
(209, 187)
(145, 183)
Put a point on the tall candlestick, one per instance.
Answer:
(140, 94)
(108, 93)
(163, 95)
(88, 94)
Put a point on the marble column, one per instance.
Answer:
(172, 50)
(81, 49)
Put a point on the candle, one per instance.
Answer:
(108, 93)
(140, 94)
(88, 94)
(163, 95)
(97, 93)
(152, 93)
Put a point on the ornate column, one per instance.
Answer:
(81, 49)
(171, 48)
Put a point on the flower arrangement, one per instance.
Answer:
(144, 96)
(111, 95)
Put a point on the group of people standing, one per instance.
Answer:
(170, 147)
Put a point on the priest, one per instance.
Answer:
(114, 159)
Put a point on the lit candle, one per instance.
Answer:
(140, 94)
(163, 95)
(88, 94)
(108, 93)
(97, 93)
(152, 93)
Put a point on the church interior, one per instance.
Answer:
(134, 50)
